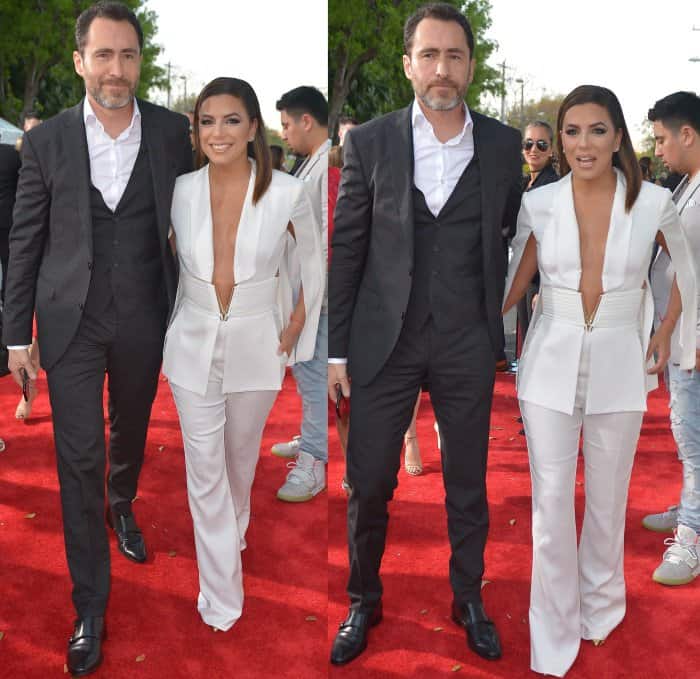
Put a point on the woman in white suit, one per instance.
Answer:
(584, 364)
(234, 327)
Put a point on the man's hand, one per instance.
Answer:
(697, 360)
(338, 374)
(18, 359)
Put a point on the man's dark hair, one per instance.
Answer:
(436, 10)
(115, 11)
(347, 120)
(31, 114)
(677, 109)
(302, 100)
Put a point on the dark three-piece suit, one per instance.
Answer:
(415, 299)
(102, 283)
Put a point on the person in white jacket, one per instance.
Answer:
(234, 329)
(587, 363)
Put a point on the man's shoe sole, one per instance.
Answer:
(656, 529)
(300, 498)
(284, 456)
(673, 583)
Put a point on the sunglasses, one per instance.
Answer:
(541, 144)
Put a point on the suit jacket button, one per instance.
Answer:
(81, 306)
(90, 266)
(410, 272)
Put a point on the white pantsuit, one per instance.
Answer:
(224, 369)
(576, 377)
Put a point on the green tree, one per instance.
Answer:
(545, 108)
(36, 63)
(365, 39)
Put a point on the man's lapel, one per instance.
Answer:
(152, 137)
(690, 192)
(400, 163)
(488, 169)
(76, 142)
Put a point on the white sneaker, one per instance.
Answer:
(286, 449)
(680, 563)
(306, 479)
(664, 522)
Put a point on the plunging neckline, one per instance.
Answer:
(589, 317)
(224, 309)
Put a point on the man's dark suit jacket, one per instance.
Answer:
(51, 238)
(372, 266)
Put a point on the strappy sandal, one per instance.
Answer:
(412, 468)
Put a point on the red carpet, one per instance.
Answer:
(154, 628)
(657, 639)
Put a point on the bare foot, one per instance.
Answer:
(412, 462)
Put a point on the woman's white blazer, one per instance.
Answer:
(261, 254)
(549, 364)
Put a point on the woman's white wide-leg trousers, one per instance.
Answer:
(577, 592)
(221, 435)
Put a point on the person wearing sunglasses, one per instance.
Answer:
(538, 147)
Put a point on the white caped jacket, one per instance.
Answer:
(260, 259)
(549, 364)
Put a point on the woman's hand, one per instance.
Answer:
(289, 337)
(660, 344)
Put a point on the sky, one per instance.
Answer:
(637, 48)
(275, 45)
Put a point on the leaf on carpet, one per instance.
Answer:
(437, 629)
(31, 515)
(141, 658)
(172, 553)
(512, 522)
(456, 668)
(310, 618)
(424, 611)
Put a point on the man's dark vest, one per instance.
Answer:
(127, 267)
(448, 281)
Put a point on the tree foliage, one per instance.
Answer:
(365, 44)
(36, 63)
(546, 108)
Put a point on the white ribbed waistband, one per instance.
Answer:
(615, 309)
(248, 298)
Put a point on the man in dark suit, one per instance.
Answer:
(9, 172)
(89, 247)
(415, 293)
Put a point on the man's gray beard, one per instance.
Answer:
(441, 104)
(112, 103)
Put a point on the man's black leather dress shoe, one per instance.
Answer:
(85, 646)
(129, 538)
(351, 639)
(482, 637)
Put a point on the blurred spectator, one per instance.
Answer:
(9, 173)
(645, 167)
(335, 157)
(278, 158)
(346, 123)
